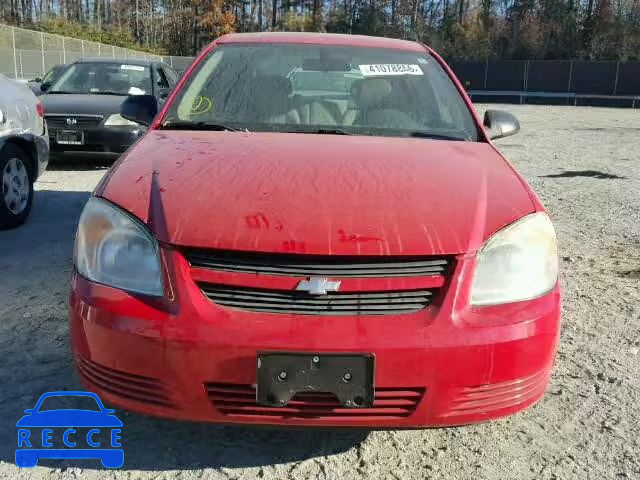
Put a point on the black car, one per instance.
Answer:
(82, 108)
(41, 85)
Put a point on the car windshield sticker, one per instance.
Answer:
(386, 69)
(137, 68)
(136, 91)
(201, 105)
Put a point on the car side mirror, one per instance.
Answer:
(140, 109)
(37, 79)
(29, 411)
(500, 123)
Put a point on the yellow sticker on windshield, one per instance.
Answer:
(201, 105)
(386, 69)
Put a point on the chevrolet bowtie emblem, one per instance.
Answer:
(318, 286)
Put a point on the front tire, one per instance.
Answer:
(16, 186)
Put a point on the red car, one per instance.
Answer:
(316, 230)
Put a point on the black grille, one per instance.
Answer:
(291, 301)
(240, 400)
(316, 265)
(55, 121)
(124, 384)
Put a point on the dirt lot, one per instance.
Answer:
(585, 165)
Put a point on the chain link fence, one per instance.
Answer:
(27, 54)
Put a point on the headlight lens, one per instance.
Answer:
(114, 249)
(116, 120)
(519, 262)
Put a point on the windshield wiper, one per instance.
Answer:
(107, 92)
(103, 92)
(437, 136)
(321, 131)
(331, 131)
(187, 125)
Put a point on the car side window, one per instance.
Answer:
(162, 81)
(171, 75)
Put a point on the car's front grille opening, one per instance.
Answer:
(340, 266)
(338, 303)
(240, 400)
(122, 384)
(486, 398)
(71, 122)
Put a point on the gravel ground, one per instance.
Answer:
(584, 164)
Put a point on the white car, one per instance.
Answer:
(24, 150)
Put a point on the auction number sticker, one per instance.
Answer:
(385, 69)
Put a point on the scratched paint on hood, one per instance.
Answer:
(320, 194)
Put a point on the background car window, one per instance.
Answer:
(104, 78)
(339, 82)
(66, 402)
(171, 76)
(162, 81)
(310, 87)
(52, 74)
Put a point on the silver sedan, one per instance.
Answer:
(24, 150)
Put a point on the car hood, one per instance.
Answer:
(69, 418)
(81, 104)
(317, 194)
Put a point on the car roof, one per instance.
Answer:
(322, 39)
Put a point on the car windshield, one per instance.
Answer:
(69, 402)
(53, 74)
(322, 89)
(104, 78)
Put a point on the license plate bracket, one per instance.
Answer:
(70, 137)
(349, 377)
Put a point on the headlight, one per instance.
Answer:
(520, 262)
(116, 120)
(117, 250)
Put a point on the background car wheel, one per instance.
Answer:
(16, 186)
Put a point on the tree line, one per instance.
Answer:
(459, 29)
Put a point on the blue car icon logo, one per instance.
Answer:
(90, 432)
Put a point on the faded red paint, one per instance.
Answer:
(338, 195)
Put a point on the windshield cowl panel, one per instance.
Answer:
(322, 89)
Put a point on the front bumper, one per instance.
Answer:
(190, 359)
(100, 141)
